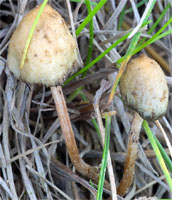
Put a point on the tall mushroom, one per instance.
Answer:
(143, 88)
(51, 57)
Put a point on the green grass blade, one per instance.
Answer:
(149, 11)
(157, 152)
(94, 122)
(89, 17)
(121, 18)
(91, 32)
(74, 94)
(31, 33)
(132, 45)
(157, 22)
(164, 155)
(104, 159)
(79, 1)
(137, 5)
(150, 41)
(155, 37)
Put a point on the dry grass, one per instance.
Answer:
(32, 148)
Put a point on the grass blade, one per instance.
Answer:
(164, 154)
(158, 153)
(89, 17)
(31, 33)
(105, 155)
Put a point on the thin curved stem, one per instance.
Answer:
(80, 165)
(131, 156)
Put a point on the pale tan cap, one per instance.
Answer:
(52, 53)
(144, 88)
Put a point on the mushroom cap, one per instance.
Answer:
(143, 87)
(52, 52)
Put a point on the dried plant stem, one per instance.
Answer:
(165, 137)
(131, 156)
(80, 165)
(6, 146)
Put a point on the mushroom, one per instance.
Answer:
(143, 88)
(51, 57)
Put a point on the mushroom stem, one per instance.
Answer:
(61, 108)
(131, 156)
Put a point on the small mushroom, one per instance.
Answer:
(51, 57)
(52, 53)
(143, 88)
